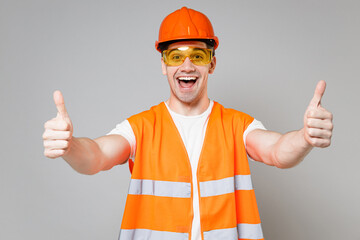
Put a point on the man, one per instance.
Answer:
(188, 155)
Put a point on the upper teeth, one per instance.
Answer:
(187, 78)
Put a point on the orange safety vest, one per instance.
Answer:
(159, 201)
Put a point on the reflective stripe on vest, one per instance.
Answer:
(225, 185)
(250, 231)
(160, 188)
(243, 231)
(135, 234)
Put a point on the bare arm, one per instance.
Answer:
(84, 155)
(287, 150)
(275, 149)
(89, 156)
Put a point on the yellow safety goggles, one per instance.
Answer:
(198, 56)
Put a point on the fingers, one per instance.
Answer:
(319, 133)
(320, 142)
(54, 153)
(319, 123)
(50, 134)
(60, 104)
(57, 124)
(319, 113)
(56, 144)
(319, 92)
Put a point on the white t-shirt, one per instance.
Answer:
(192, 130)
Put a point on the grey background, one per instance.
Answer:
(101, 55)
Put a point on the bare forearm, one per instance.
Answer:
(275, 149)
(290, 149)
(84, 156)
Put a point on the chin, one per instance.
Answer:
(187, 99)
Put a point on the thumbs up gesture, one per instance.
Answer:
(58, 131)
(318, 124)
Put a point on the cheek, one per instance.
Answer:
(163, 68)
(205, 71)
(170, 72)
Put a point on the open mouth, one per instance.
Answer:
(186, 82)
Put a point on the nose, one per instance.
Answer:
(187, 65)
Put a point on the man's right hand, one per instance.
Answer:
(58, 131)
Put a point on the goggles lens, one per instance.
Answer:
(198, 56)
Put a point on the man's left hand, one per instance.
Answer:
(318, 124)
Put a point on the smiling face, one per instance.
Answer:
(188, 82)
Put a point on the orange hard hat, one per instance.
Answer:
(184, 24)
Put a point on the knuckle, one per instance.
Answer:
(45, 135)
(66, 144)
(49, 123)
(62, 125)
(68, 135)
(65, 126)
(61, 152)
(48, 154)
(310, 141)
(330, 134)
(309, 122)
(311, 131)
(315, 142)
(46, 124)
(325, 144)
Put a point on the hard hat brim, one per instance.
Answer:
(187, 38)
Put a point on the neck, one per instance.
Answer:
(188, 109)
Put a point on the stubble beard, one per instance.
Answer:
(189, 98)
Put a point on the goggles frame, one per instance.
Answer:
(177, 56)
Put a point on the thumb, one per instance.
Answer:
(319, 92)
(60, 105)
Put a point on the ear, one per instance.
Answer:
(163, 67)
(212, 65)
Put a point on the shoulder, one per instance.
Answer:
(147, 114)
(147, 119)
(229, 114)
